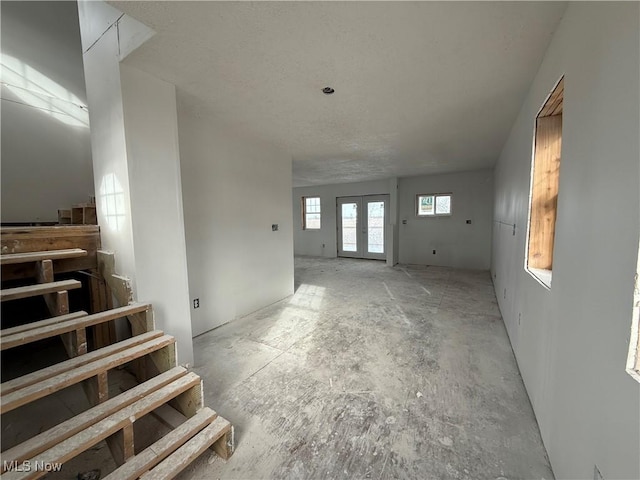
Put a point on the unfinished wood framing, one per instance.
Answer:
(545, 182)
(7, 332)
(100, 297)
(156, 453)
(64, 216)
(188, 452)
(19, 240)
(39, 252)
(120, 286)
(114, 423)
(14, 258)
(21, 392)
(57, 434)
(553, 105)
(58, 368)
(40, 289)
(172, 418)
(70, 323)
(172, 394)
(84, 214)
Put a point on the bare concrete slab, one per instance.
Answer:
(371, 372)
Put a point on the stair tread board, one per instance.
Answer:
(157, 452)
(13, 258)
(13, 233)
(46, 387)
(42, 323)
(106, 427)
(76, 362)
(64, 430)
(38, 289)
(58, 328)
(187, 453)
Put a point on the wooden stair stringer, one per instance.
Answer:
(193, 427)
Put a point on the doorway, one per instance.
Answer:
(362, 225)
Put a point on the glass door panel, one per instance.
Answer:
(375, 226)
(362, 226)
(350, 227)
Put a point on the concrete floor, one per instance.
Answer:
(371, 372)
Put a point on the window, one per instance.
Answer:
(433, 204)
(633, 360)
(545, 175)
(310, 213)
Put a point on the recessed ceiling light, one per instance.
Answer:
(328, 90)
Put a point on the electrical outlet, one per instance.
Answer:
(274, 227)
(196, 303)
(434, 252)
(468, 222)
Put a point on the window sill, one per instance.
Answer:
(542, 276)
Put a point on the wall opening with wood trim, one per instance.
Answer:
(544, 186)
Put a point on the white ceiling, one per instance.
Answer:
(420, 88)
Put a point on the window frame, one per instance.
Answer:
(305, 213)
(633, 357)
(435, 196)
(543, 276)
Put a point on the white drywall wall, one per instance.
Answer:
(153, 157)
(108, 145)
(234, 189)
(571, 341)
(457, 244)
(46, 161)
(394, 212)
(310, 242)
(137, 175)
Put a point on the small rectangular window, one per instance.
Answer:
(310, 213)
(545, 180)
(433, 204)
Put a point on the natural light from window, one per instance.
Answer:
(545, 181)
(111, 198)
(311, 213)
(298, 319)
(32, 88)
(433, 204)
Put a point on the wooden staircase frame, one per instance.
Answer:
(166, 390)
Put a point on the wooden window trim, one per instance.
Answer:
(633, 359)
(545, 181)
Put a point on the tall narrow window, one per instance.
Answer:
(310, 213)
(544, 186)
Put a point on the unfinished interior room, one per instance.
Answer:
(320, 240)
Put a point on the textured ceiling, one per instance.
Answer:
(420, 88)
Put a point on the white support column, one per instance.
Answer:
(392, 239)
(134, 137)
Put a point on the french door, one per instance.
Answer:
(362, 225)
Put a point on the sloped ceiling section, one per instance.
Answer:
(420, 88)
